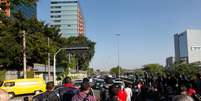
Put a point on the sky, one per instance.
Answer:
(146, 28)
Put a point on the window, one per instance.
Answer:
(57, 20)
(55, 16)
(196, 48)
(9, 84)
(55, 11)
(69, 25)
(56, 25)
(55, 6)
(58, 2)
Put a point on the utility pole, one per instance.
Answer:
(48, 60)
(118, 35)
(55, 54)
(24, 54)
(69, 59)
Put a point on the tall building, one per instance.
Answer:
(170, 61)
(8, 8)
(27, 10)
(67, 16)
(188, 46)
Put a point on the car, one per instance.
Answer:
(119, 83)
(23, 86)
(98, 83)
(77, 83)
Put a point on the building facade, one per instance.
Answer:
(67, 16)
(170, 62)
(9, 8)
(27, 10)
(188, 46)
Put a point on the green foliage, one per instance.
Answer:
(90, 71)
(64, 74)
(116, 70)
(139, 72)
(154, 69)
(37, 34)
(30, 74)
(37, 48)
(83, 57)
(185, 69)
(2, 75)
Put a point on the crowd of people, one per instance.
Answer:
(153, 88)
(165, 88)
(146, 88)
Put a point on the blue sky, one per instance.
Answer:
(146, 28)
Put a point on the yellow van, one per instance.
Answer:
(24, 86)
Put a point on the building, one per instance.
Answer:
(188, 46)
(67, 16)
(9, 8)
(170, 62)
(27, 10)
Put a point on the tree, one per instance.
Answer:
(90, 71)
(37, 34)
(139, 72)
(116, 70)
(83, 57)
(154, 69)
(190, 70)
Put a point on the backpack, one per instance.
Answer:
(63, 93)
(41, 97)
(69, 93)
(104, 93)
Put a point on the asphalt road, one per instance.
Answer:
(20, 98)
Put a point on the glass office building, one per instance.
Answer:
(67, 16)
(27, 10)
(188, 46)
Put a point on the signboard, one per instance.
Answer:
(42, 68)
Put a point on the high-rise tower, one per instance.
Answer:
(67, 16)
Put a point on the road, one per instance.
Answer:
(20, 98)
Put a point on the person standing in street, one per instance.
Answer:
(122, 94)
(43, 96)
(129, 93)
(104, 91)
(3, 95)
(84, 94)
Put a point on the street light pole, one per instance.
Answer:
(49, 60)
(54, 66)
(55, 54)
(118, 35)
(24, 54)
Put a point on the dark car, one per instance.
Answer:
(98, 84)
(77, 83)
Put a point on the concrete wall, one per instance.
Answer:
(13, 74)
(194, 45)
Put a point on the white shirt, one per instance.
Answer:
(129, 93)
